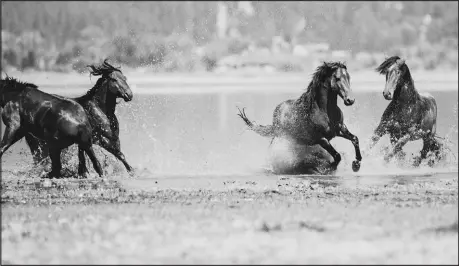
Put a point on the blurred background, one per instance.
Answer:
(190, 64)
(222, 36)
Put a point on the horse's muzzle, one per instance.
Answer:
(349, 102)
(127, 97)
(387, 96)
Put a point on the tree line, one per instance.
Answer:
(159, 33)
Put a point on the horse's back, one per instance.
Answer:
(56, 116)
(39, 96)
(429, 99)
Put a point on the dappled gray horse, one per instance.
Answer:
(410, 115)
(314, 118)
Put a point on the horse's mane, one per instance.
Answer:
(98, 70)
(382, 69)
(318, 78)
(16, 84)
(103, 69)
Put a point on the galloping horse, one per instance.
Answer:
(99, 103)
(315, 118)
(410, 115)
(58, 121)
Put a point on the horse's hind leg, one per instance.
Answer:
(344, 133)
(329, 148)
(12, 134)
(429, 144)
(92, 156)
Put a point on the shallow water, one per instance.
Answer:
(200, 134)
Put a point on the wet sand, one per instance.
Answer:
(258, 218)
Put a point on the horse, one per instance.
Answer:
(59, 122)
(315, 118)
(410, 115)
(99, 103)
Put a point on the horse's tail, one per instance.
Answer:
(265, 131)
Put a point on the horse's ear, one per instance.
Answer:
(400, 62)
(93, 68)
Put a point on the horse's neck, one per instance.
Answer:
(325, 100)
(110, 104)
(105, 100)
(407, 92)
(10, 96)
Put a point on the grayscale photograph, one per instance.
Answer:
(229, 132)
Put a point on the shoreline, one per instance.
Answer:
(204, 82)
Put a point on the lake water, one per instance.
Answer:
(199, 133)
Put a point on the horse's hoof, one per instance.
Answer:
(131, 173)
(355, 166)
(333, 167)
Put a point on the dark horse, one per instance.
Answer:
(58, 121)
(315, 118)
(410, 115)
(99, 103)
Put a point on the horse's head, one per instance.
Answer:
(394, 68)
(340, 82)
(114, 79)
(117, 84)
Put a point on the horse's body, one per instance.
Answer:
(99, 104)
(287, 156)
(314, 118)
(410, 115)
(57, 121)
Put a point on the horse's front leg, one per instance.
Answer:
(56, 165)
(378, 133)
(82, 169)
(113, 146)
(38, 148)
(344, 133)
(329, 148)
(398, 146)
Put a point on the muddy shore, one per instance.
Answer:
(212, 219)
